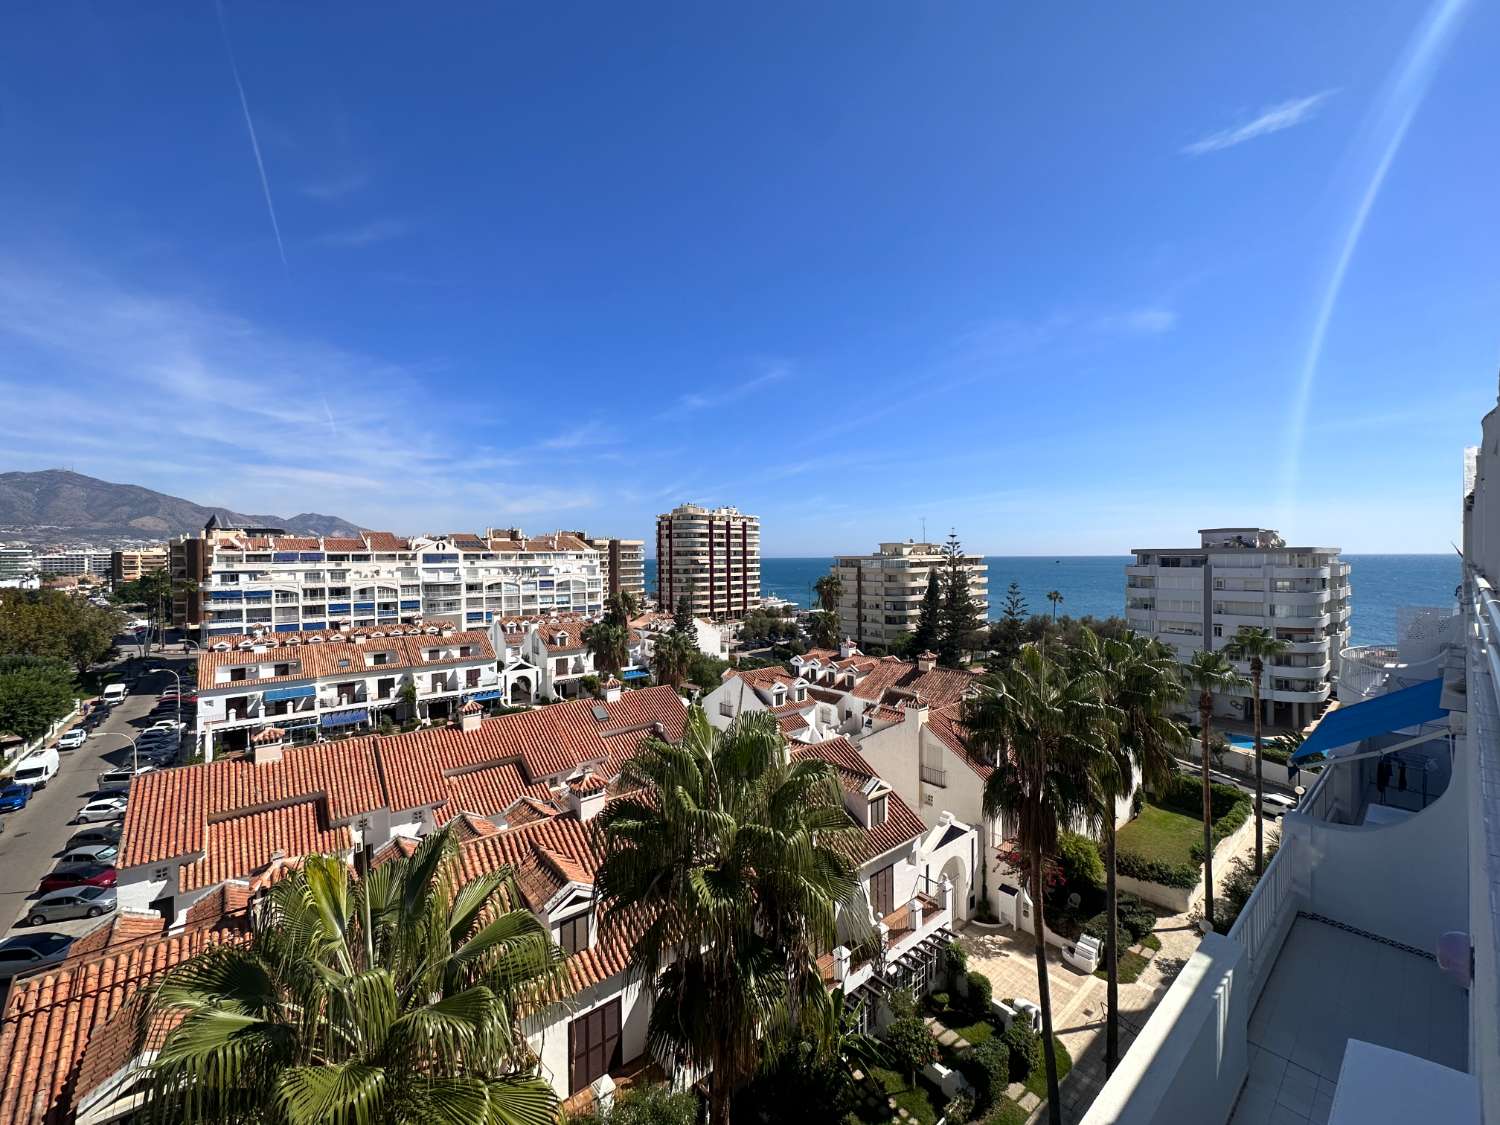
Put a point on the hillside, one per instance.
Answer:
(60, 505)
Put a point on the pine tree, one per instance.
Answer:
(959, 619)
(682, 620)
(1016, 610)
(929, 619)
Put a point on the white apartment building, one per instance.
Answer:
(881, 596)
(129, 566)
(74, 563)
(1190, 598)
(308, 686)
(258, 579)
(16, 562)
(711, 556)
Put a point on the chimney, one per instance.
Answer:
(470, 716)
(848, 648)
(926, 661)
(358, 638)
(447, 630)
(267, 746)
(841, 963)
(586, 796)
(612, 688)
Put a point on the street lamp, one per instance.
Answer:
(135, 758)
(178, 678)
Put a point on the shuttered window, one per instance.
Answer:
(593, 1045)
(883, 891)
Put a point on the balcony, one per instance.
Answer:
(934, 775)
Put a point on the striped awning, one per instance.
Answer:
(277, 695)
(345, 718)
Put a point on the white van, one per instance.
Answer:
(113, 694)
(37, 769)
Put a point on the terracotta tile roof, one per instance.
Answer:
(295, 543)
(792, 725)
(125, 926)
(385, 541)
(944, 724)
(542, 544)
(169, 810)
(490, 790)
(764, 679)
(219, 905)
(938, 687)
(343, 543)
(467, 826)
(343, 658)
(529, 810)
(241, 846)
(888, 714)
(51, 1020)
(901, 825)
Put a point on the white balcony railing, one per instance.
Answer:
(1267, 915)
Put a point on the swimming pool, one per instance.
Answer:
(1240, 741)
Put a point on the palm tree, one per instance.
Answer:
(1045, 731)
(671, 657)
(609, 641)
(1256, 646)
(829, 589)
(1139, 682)
(395, 997)
(1208, 672)
(1056, 598)
(736, 860)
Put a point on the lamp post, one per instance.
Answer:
(178, 678)
(135, 757)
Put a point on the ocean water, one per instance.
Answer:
(1095, 585)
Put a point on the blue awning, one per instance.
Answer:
(1396, 710)
(276, 695)
(635, 674)
(345, 718)
(485, 696)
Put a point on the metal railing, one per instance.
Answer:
(935, 775)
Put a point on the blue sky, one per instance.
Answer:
(1067, 279)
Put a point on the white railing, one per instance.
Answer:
(1320, 802)
(1263, 921)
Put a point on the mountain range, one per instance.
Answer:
(57, 505)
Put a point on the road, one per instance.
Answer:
(35, 836)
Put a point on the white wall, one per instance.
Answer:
(1189, 1061)
(550, 1039)
(1405, 881)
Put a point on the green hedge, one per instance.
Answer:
(1185, 875)
(1136, 920)
(1231, 808)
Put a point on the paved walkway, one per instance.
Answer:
(1008, 958)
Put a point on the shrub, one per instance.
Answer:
(987, 1067)
(1078, 856)
(960, 1107)
(1158, 871)
(955, 961)
(901, 1004)
(910, 1045)
(1133, 916)
(1137, 801)
(654, 1105)
(940, 1000)
(1024, 1048)
(980, 991)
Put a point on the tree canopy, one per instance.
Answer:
(51, 623)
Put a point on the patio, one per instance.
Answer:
(1330, 985)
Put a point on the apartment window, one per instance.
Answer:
(883, 891)
(573, 934)
(471, 678)
(593, 1046)
(1218, 630)
(726, 708)
(562, 667)
(282, 670)
(237, 674)
(877, 812)
(385, 688)
(380, 658)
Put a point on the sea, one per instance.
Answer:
(1094, 585)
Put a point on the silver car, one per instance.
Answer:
(91, 853)
(71, 902)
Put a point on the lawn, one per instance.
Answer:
(962, 1023)
(1036, 1081)
(923, 1101)
(1132, 965)
(1161, 835)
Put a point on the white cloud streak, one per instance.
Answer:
(260, 164)
(1272, 119)
(355, 238)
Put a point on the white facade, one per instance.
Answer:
(74, 563)
(1190, 598)
(711, 557)
(622, 563)
(16, 562)
(291, 584)
(881, 596)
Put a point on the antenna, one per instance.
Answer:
(924, 529)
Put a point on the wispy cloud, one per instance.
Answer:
(589, 433)
(1272, 119)
(336, 186)
(723, 395)
(1149, 320)
(353, 238)
(265, 183)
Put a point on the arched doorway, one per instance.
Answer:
(521, 692)
(956, 871)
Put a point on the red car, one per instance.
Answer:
(78, 875)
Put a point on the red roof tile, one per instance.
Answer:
(241, 846)
(901, 825)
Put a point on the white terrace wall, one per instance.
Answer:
(1189, 1061)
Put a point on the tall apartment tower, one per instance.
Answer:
(1191, 598)
(710, 555)
(881, 595)
(623, 563)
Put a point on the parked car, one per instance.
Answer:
(98, 834)
(1275, 806)
(25, 952)
(78, 875)
(118, 779)
(91, 853)
(38, 768)
(110, 807)
(172, 726)
(72, 739)
(14, 797)
(114, 694)
(71, 902)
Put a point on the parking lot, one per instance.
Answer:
(36, 835)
